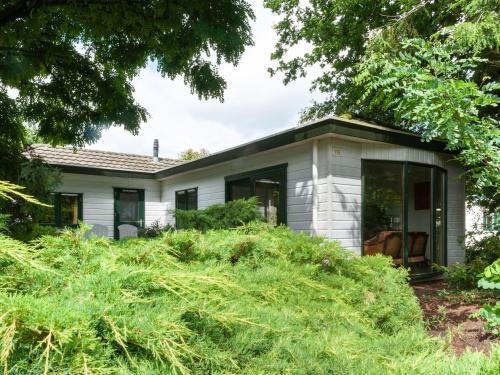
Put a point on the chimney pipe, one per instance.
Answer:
(155, 151)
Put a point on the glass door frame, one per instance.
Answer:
(434, 192)
(116, 216)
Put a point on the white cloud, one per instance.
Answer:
(255, 104)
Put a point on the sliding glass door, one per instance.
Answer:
(404, 213)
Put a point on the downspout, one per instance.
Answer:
(315, 197)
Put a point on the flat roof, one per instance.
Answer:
(329, 125)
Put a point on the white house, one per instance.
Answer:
(372, 188)
(480, 223)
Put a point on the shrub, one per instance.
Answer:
(154, 230)
(39, 180)
(251, 300)
(4, 218)
(486, 249)
(478, 254)
(219, 216)
(490, 279)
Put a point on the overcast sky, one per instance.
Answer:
(255, 104)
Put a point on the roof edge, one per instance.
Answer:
(327, 125)
(103, 172)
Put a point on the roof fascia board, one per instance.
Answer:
(327, 126)
(103, 172)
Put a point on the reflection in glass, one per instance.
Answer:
(69, 209)
(383, 209)
(267, 187)
(268, 194)
(419, 218)
(129, 207)
(399, 202)
(439, 212)
(240, 189)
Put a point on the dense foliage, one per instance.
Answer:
(490, 279)
(251, 300)
(38, 180)
(155, 229)
(428, 66)
(479, 253)
(219, 216)
(66, 66)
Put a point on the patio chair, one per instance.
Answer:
(386, 242)
(416, 252)
(127, 230)
(97, 230)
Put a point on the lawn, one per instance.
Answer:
(253, 300)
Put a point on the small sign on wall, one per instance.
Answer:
(338, 152)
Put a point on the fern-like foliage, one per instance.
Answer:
(11, 192)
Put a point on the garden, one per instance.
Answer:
(252, 299)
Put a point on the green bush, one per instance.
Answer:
(154, 230)
(486, 249)
(251, 300)
(39, 180)
(478, 255)
(490, 279)
(219, 216)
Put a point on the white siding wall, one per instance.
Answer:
(456, 212)
(211, 184)
(98, 200)
(340, 194)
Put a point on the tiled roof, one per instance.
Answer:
(67, 156)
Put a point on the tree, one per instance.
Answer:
(66, 66)
(427, 66)
(191, 154)
(66, 69)
(35, 182)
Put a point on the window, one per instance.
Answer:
(67, 211)
(268, 185)
(186, 199)
(404, 213)
(491, 221)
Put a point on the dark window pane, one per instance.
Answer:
(69, 209)
(129, 206)
(186, 199)
(240, 189)
(192, 199)
(419, 218)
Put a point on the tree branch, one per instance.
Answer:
(23, 8)
(19, 9)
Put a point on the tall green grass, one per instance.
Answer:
(253, 300)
